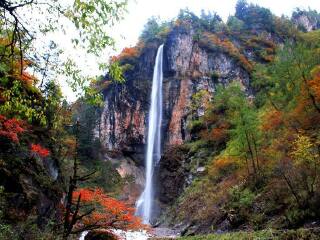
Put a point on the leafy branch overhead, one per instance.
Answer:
(84, 24)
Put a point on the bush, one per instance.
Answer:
(154, 29)
(235, 24)
(254, 16)
(195, 126)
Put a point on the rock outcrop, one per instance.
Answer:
(188, 68)
(196, 60)
(32, 187)
(306, 20)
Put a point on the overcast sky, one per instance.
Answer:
(128, 30)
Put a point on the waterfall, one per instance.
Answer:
(144, 204)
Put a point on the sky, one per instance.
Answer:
(126, 32)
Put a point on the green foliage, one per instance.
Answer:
(198, 100)
(196, 145)
(116, 72)
(304, 151)
(241, 198)
(210, 21)
(283, 80)
(303, 234)
(154, 29)
(7, 232)
(106, 176)
(23, 103)
(254, 16)
(89, 146)
(235, 24)
(195, 126)
(90, 19)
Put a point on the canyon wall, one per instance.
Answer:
(188, 69)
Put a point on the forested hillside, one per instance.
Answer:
(240, 143)
(53, 181)
(240, 132)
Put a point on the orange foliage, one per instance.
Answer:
(109, 212)
(304, 114)
(26, 78)
(223, 162)
(70, 146)
(271, 120)
(222, 165)
(20, 73)
(314, 83)
(130, 52)
(230, 48)
(39, 150)
(10, 128)
(262, 41)
(218, 134)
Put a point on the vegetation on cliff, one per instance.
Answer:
(51, 171)
(251, 162)
(263, 171)
(252, 159)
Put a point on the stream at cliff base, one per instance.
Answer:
(141, 235)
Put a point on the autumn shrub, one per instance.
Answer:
(200, 202)
(107, 212)
(296, 216)
(195, 126)
(11, 128)
(222, 167)
(240, 204)
(126, 53)
(241, 198)
(196, 145)
(217, 135)
(212, 41)
(39, 150)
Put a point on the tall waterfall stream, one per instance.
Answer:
(144, 204)
(153, 155)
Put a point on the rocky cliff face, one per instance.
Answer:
(33, 187)
(188, 68)
(306, 21)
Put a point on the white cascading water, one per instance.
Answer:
(144, 204)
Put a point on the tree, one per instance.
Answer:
(235, 24)
(11, 128)
(244, 131)
(89, 209)
(72, 215)
(153, 29)
(210, 21)
(254, 16)
(109, 213)
(23, 25)
(241, 8)
(289, 75)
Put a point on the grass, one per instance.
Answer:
(301, 234)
